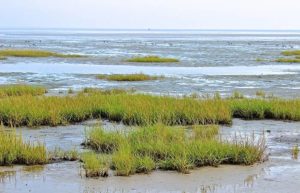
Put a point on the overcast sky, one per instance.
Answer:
(154, 14)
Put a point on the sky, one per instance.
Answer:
(151, 14)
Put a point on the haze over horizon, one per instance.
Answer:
(155, 14)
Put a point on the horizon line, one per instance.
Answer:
(144, 29)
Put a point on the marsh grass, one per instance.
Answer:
(34, 53)
(131, 109)
(140, 109)
(13, 150)
(2, 58)
(95, 165)
(21, 90)
(273, 108)
(291, 53)
(288, 60)
(123, 160)
(152, 59)
(101, 141)
(295, 152)
(175, 148)
(204, 131)
(260, 60)
(129, 77)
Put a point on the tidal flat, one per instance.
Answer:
(94, 131)
(70, 176)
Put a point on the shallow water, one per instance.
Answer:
(280, 174)
(211, 61)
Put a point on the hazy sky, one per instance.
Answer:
(161, 14)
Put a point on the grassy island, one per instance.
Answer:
(152, 59)
(34, 53)
(129, 77)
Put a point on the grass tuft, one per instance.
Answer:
(139, 109)
(295, 151)
(13, 150)
(95, 165)
(102, 141)
(123, 161)
(260, 60)
(177, 148)
(34, 53)
(288, 60)
(129, 77)
(291, 52)
(131, 109)
(21, 90)
(152, 59)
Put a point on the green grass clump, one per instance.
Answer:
(204, 131)
(140, 109)
(288, 60)
(2, 58)
(102, 141)
(129, 77)
(13, 150)
(123, 161)
(152, 59)
(34, 53)
(131, 109)
(295, 53)
(95, 165)
(20, 90)
(278, 109)
(144, 164)
(260, 60)
(291, 52)
(295, 151)
(178, 148)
